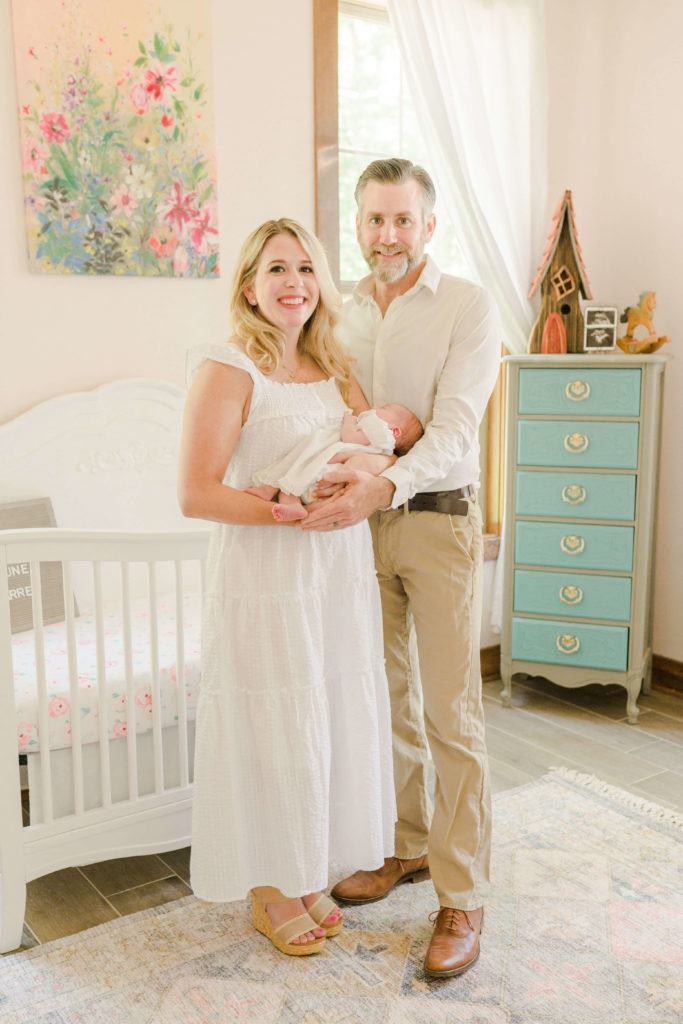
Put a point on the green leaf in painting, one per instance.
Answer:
(158, 45)
(198, 91)
(198, 170)
(140, 60)
(142, 49)
(206, 194)
(186, 81)
(210, 265)
(65, 166)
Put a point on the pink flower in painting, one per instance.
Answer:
(54, 128)
(167, 121)
(178, 209)
(181, 261)
(202, 227)
(163, 241)
(124, 200)
(34, 157)
(139, 97)
(57, 706)
(119, 728)
(26, 733)
(157, 79)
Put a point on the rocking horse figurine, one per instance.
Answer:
(641, 316)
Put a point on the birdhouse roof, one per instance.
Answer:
(564, 211)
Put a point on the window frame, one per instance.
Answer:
(326, 145)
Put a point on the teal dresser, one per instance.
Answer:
(582, 456)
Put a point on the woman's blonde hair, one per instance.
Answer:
(260, 339)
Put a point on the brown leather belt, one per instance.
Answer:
(454, 503)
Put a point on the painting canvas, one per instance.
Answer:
(117, 147)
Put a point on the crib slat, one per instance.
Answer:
(131, 733)
(156, 688)
(180, 676)
(74, 695)
(43, 717)
(102, 695)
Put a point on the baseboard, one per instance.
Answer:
(667, 674)
(490, 663)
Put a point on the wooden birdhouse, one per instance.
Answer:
(562, 277)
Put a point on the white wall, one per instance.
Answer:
(616, 78)
(63, 333)
(616, 81)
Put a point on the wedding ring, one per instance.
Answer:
(335, 524)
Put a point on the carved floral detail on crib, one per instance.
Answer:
(57, 674)
(136, 456)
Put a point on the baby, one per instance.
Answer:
(292, 479)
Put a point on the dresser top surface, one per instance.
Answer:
(582, 359)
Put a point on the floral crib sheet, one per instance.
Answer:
(60, 712)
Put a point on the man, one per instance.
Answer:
(430, 342)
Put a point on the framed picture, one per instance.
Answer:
(600, 328)
(19, 515)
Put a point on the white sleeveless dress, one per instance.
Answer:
(293, 763)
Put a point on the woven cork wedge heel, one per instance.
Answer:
(281, 937)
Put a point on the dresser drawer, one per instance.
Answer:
(577, 443)
(570, 643)
(574, 546)
(572, 594)
(579, 392)
(576, 495)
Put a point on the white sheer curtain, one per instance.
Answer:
(476, 71)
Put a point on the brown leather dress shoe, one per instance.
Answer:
(455, 942)
(371, 886)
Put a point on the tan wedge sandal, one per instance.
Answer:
(321, 909)
(282, 935)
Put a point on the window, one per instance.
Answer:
(363, 111)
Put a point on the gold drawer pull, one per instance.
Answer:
(572, 545)
(577, 390)
(574, 494)
(568, 644)
(576, 442)
(569, 594)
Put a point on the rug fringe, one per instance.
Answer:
(623, 797)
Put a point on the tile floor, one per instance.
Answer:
(547, 726)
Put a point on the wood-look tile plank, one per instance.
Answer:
(525, 757)
(593, 728)
(666, 789)
(110, 876)
(151, 895)
(506, 776)
(567, 747)
(666, 703)
(62, 903)
(179, 862)
(665, 727)
(664, 754)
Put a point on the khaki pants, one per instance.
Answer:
(429, 564)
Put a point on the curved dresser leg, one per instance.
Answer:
(633, 684)
(506, 676)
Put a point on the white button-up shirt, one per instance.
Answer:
(437, 351)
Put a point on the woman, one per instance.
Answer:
(293, 740)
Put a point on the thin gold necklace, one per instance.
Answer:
(292, 373)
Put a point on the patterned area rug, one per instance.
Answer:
(584, 924)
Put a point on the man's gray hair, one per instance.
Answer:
(397, 171)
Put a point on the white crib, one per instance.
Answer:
(102, 702)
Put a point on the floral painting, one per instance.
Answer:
(117, 152)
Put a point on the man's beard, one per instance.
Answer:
(399, 267)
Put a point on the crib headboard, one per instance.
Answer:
(107, 458)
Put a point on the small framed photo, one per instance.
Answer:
(600, 328)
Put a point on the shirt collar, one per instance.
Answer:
(364, 292)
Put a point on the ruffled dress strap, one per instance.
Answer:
(222, 352)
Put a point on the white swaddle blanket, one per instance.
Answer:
(302, 467)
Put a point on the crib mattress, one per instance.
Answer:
(60, 712)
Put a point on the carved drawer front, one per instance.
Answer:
(574, 546)
(581, 444)
(572, 594)
(579, 392)
(576, 495)
(570, 643)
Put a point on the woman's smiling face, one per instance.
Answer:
(284, 286)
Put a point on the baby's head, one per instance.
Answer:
(404, 424)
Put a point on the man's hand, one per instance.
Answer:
(360, 495)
